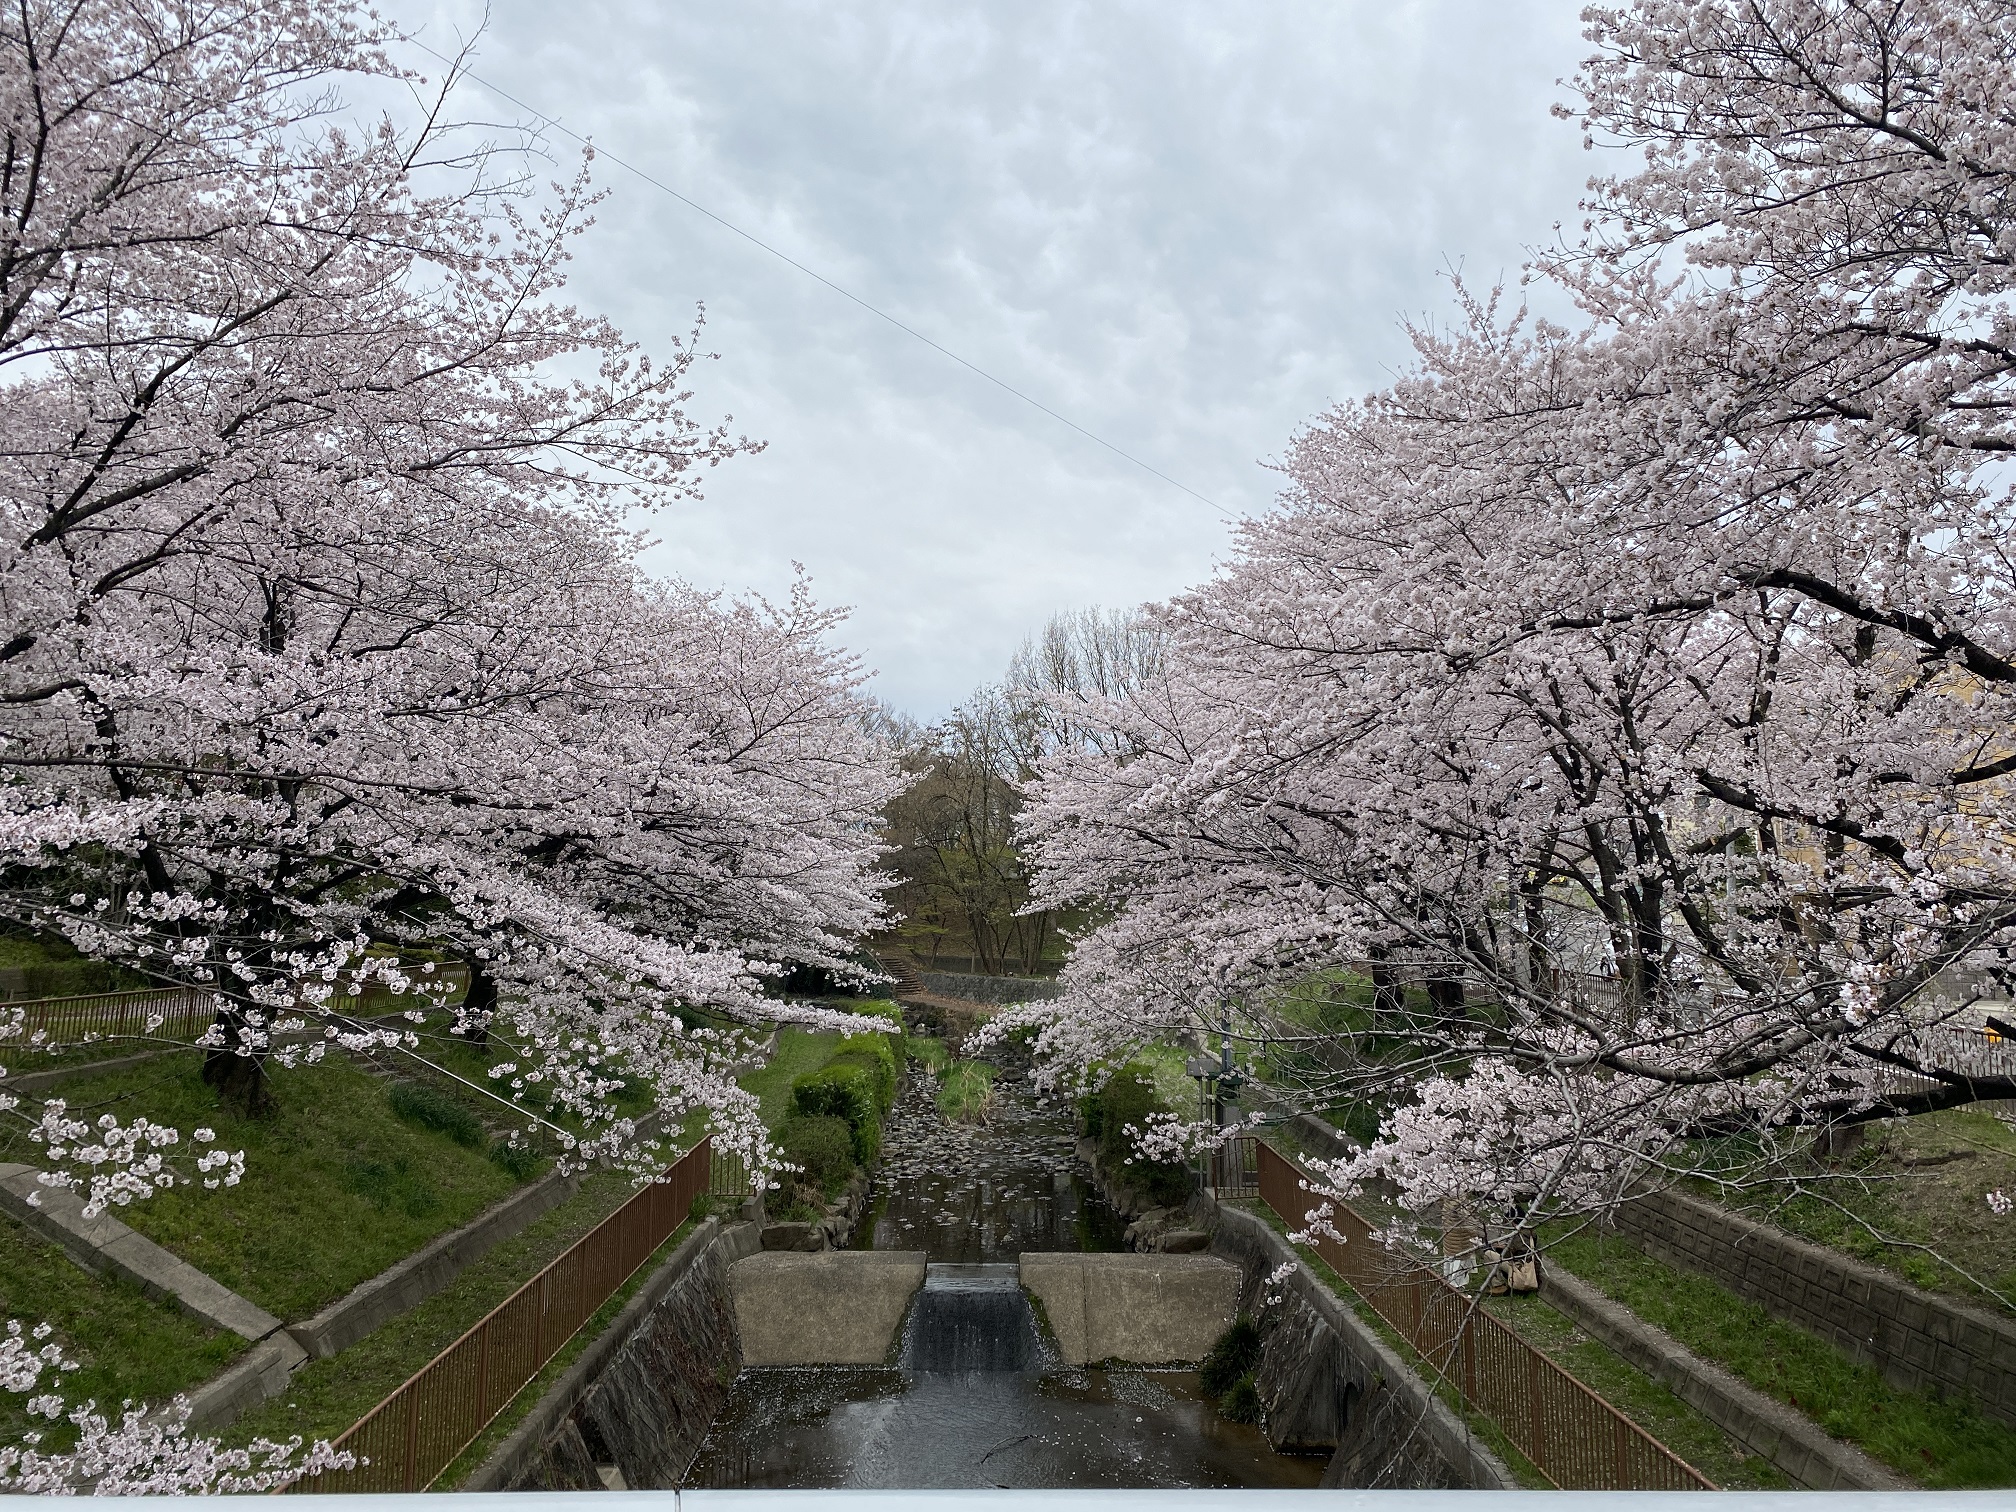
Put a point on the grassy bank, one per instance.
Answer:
(798, 1052)
(326, 1396)
(1640, 1398)
(129, 1345)
(1912, 1199)
(1942, 1445)
(337, 1185)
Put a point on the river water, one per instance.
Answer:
(978, 1398)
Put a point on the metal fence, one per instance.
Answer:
(1234, 1168)
(729, 1176)
(51, 1022)
(1573, 1436)
(407, 1440)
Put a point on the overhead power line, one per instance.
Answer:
(813, 273)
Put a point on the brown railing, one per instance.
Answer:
(730, 1176)
(1573, 1436)
(1234, 1168)
(408, 1439)
(49, 1022)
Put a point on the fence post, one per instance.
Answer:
(1536, 1448)
(1623, 1437)
(483, 1374)
(1467, 1341)
(412, 1475)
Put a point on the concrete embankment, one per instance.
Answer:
(633, 1408)
(842, 1307)
(1327, 1381)
(1144, 1309)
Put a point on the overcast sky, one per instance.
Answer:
(1187, 227)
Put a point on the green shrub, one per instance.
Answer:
(1128, 1098)
(821, 1146)
(521, 1161)
(436, 1110)
(846, 1092)
(52, 967)
(1092, 1115)
(1360, 1120)
(1235, 1354)
(874, 1054)
(1242, 1403)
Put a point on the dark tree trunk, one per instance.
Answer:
(1389, 998)
(1445, 995)
(237, 1075)
(478, 1004)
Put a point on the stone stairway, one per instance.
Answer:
(901, 966)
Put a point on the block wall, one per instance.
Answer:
(1919, 1341)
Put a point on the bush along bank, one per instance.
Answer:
(832, 1134)
(1154, 1194)
(1226, 1373)
(965, 1087)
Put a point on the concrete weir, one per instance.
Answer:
(1144, 1309)
(838, 1307)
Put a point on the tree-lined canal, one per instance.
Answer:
(978, 1397)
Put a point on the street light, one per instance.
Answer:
(1218, 1082)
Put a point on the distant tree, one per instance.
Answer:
(963, 879)
(1059, 679)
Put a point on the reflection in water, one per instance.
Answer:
(879, 1428)
(967, 1193)
(979, 1399)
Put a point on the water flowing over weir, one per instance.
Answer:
(970, 1318)
(974, 1394)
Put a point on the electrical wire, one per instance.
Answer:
(813, 273)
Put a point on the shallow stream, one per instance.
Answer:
(978, 1398)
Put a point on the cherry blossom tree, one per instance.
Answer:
(324, 633)
(1632, 702)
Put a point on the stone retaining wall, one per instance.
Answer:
(987, 989)
(1327, 1381)
(634, 1407)
(1920, 1342)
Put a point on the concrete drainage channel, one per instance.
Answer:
(741, 1368)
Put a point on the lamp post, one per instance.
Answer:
(1228, 1075)
(1217, 1084)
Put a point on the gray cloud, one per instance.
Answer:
(1188, 227)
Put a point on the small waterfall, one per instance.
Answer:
(967, 1318)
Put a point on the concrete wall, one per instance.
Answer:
(1327, 1381)
(639, 1400)
(1919, 1341)
(428, 1270)
(841, 1307)
(987, 989)
(1147, 1309)
(1781, 1433)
